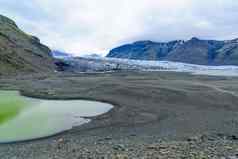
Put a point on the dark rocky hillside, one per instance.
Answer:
(144, 50)
(228, 54)
(20, 52)
(195, 51)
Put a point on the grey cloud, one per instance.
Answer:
(83, 26)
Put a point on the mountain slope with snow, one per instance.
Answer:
(194, 51)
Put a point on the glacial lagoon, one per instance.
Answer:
(23, 118)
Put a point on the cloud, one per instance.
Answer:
(93, 26)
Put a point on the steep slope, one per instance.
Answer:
(194, 51)
(20, 52)
(144, 50)
(228, 54)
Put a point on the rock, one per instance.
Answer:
(163, 152)
(60, 141)
(233, 137)
(230, 157)
(207, 138)
(50, 92)
(228, 147)
(133, 135)
(152, 147)
(108, 138)
(194, 139)
(119, 147)
(120, 156)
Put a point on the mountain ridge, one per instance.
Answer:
(194, 51)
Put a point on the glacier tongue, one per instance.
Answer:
(104, 64)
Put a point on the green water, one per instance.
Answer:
(23, 118)
(10, 105)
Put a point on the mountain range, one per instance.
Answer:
(24, 53)
(21, 52)
(194, 51)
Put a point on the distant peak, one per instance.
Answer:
(93, 55)
(194, 39)
(143, 42)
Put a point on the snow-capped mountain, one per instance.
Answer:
(193, 51)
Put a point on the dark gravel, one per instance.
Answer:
(156, 115)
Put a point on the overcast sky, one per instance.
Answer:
(96, 26)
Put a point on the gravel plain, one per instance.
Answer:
(155, 115)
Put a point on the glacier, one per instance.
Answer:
(104, 64)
